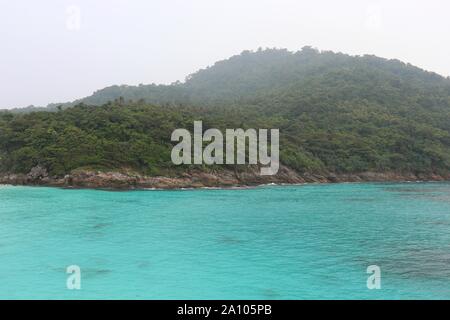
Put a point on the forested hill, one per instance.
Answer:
(336, 113)
(253, 74)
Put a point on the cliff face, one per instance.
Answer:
(200, 179)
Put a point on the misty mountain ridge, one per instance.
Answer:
(258, 74)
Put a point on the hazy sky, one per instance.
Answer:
(58, 50)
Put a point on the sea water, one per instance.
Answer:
(273, 242)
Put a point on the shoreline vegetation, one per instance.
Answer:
(340, 118)
(198, 179)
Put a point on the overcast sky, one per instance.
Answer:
(58, 50)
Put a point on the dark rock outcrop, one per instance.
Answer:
(37, 173)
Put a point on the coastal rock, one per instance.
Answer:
(37, 173)
(332, 177)
(202, 178)
(13, 179)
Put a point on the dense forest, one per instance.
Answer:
(336, 113)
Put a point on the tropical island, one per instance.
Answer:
(340, 117)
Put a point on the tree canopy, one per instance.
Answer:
(336, 113)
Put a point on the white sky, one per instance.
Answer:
(59, 50)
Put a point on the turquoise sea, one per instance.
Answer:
(273, 242)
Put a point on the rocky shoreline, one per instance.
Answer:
(128, 180)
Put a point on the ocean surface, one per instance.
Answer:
(272, 242)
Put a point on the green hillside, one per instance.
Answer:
(336, 113)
